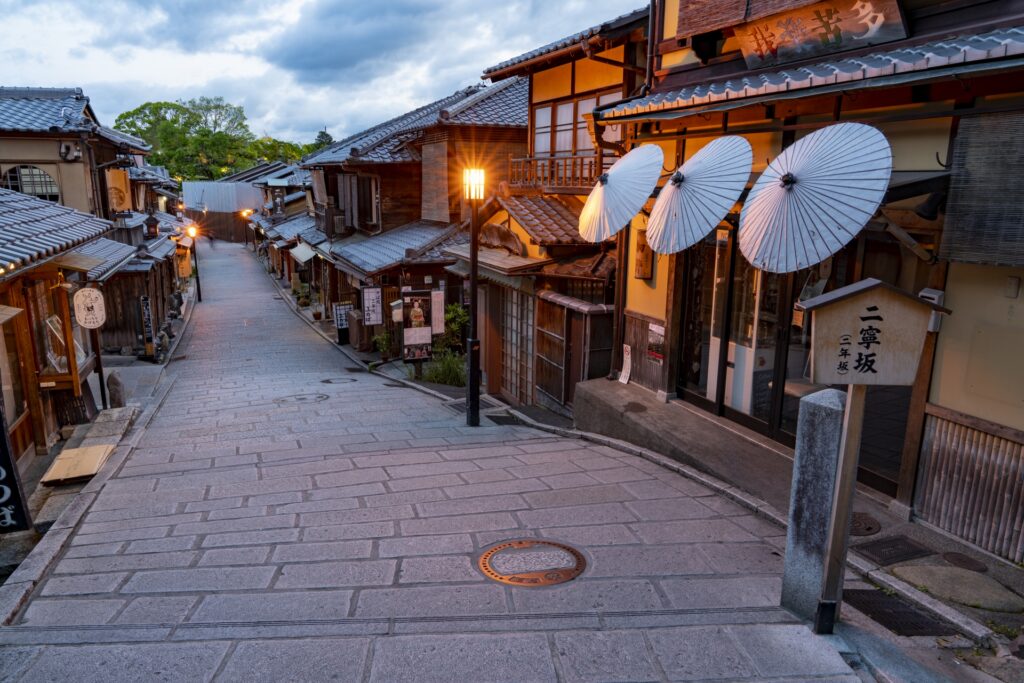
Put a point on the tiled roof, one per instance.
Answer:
(121, 138)
(291, 228)
(114, 255)
(44, 110)
(380, 252)
(33, 229)
(168, 223)
(505, 103)
(547, 219)
(436, 252)
(365, 143)
(313, 236)
(596, 266)
(152, 174)
(569, 41)
(254, 173)
(848, 72)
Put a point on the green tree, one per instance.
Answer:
(203, 138)
(323, 138)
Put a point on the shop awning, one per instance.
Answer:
(77, 262)
(8, 313)
(302, 253)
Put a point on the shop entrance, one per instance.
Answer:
(745, 351)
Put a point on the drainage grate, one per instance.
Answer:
(338, 380)
(355, 369)
(896, 615)
(302, 398)
(965, 562)
(864, 524)
(506, 420)
(891, 550)
(394, 384)
(457, 406)
(531, 563)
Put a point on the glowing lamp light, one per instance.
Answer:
(473, 183)
(246, 213)
(192, 231)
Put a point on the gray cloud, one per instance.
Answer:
(343, 64)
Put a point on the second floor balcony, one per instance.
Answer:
(575, 174)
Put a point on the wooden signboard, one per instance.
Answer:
(867, 333)
(90, 309)
(644, 269)
(148, 334)
(341, 312)
(820, 29)
(417, 336)
(14, 513)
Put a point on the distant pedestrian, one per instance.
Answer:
(209, 234)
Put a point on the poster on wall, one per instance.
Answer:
(627, 363)
(656, 344)
(416, 338)
(373, 306)
(437, 311)
(644, 269)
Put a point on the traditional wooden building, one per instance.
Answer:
(46, 358)
(546, 321)
(706, 328)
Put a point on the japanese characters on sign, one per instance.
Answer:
(373, 306)
(863, 334)
(818, 29)
(417, 339)
(437, 311)
(341, 312)
(148, 334)
(14, 514)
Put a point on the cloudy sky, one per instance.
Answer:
(295, 65)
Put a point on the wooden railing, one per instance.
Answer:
(554, 173)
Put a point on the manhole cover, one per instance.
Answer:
(528, 562)
(891, 550)
(896, 615)
(303, 398)
(965, 562)
(337, 380)
(864, 524)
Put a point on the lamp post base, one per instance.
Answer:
(473, 393)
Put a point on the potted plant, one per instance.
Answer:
(382, 342)
(318, 311)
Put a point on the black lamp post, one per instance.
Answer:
(473, 184)
(193, 232)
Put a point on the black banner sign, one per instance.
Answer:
(14, 514)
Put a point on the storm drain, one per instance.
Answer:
(506, 420)
(864, 524)
(886, 551)
(302, 398)
(338, 380)
(532, 563)
(896, 615)
(394, 384)
(965, 562)
(355, 369)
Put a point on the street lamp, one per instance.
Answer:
(473, 186)
(193, 232)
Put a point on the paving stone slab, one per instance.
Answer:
(425, 545)
(789, 651)
(200, 579)
(700, 653)
(129, 663)
(336, 574)
(157, 610)
(711, 593)
(588, 595)
(43, 612)
(438, 569)
(431, 601)
(604, 657)
(273, 606)
(315, 659)
(312, 552)
(511, 658)
(692, 531)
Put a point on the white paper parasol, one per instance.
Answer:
(699, 195)
(815, 197)
(620, 193)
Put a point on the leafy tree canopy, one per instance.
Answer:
(205, 138)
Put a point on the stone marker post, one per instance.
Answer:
(819, 435)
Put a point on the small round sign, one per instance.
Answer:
(90, 309)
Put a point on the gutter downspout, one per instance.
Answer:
(652, 31)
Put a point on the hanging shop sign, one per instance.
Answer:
(416, 322)
(656, 344)
(14, 514)
(148, 335)
(820, 29)
(373, 306)
(90, 308)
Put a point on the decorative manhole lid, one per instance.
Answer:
(338, 380)
(530, 563)
(965, 562)
(864, 524)
(303, 398)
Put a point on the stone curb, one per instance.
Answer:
(864, 568)
(15, 592)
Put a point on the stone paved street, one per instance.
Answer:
(286, 517)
